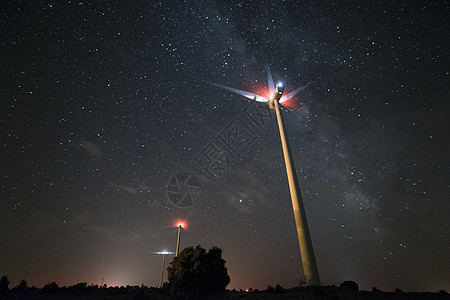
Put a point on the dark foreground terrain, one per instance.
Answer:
(333, 292)
(142, 292)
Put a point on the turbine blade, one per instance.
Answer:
(293, 93)
(258, 98)
(240, 92)
(270, 81)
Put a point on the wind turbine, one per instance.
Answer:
(304, 237)
(180, 226)
(163, 253)
(253, 96)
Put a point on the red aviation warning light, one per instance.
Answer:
(181, 224)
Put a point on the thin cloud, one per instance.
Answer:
(91, 148)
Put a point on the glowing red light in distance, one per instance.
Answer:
(181, 223)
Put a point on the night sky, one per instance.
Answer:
(106, 104)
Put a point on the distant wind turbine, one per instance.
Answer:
(163, 253)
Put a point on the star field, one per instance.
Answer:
(103, 102)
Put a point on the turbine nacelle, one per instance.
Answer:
(279, 90)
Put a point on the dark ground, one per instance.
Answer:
(332, 292)
(136, 292)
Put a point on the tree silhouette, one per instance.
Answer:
(4, 287)
(23, 285)
(21, 290)
(349, 285)
(279, 289)
(51, 287)
(198, 274)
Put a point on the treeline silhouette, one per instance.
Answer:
(78, 291)
(346, 290)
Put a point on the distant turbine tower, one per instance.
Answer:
(304, 237)
(180, 226)
(163, 253)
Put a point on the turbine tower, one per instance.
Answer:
(180, 226)
(304, 237)
(163, 253)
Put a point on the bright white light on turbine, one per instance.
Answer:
(164, 252)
